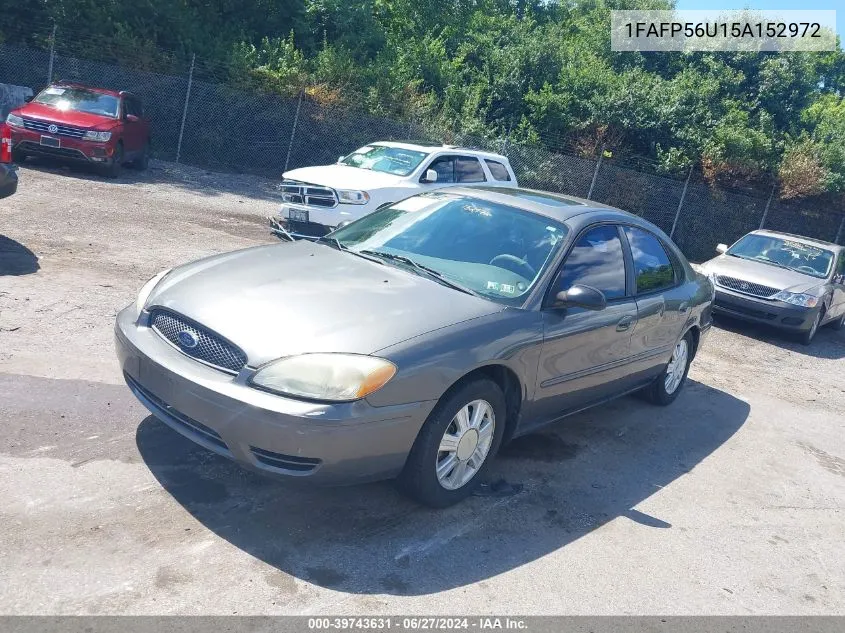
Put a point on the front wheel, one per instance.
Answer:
(669, 383)
(113, 169)
(455, 445)
(808, 336)
(839, 323)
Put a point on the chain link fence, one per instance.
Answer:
(199, 118)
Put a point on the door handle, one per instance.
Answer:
(624, 323)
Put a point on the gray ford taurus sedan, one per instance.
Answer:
(416, 340)
(791, 282)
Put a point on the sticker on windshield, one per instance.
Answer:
(54, 91)
(492, 285)
(507, 288)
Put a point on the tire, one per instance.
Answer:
(113, 169)
(419, 479)
(808, 336)
(143, 161)
(839, 323)
(663, 391)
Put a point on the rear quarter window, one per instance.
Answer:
(498, 170)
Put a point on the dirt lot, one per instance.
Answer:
(730, 501)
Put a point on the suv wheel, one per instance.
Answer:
(143, 161)
(455, 445)
(669, 383)
(113, 169)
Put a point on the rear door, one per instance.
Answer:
(662, 302)
(134, 135)
(585, 352)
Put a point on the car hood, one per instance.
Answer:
(293, 298)
(344, 177)
(760, 273)
(78, 119)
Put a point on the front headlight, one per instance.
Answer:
(13, 120)
(350, 196)
(147, 289)
(333, 377)
(798, 299)
(93, 135)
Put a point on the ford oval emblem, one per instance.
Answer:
(52, 129)
(187, 339)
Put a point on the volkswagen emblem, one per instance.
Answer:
(744, 285)
(187, 339)
(52, 128)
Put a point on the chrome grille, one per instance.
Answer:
(297, 192)
(210, 348)
(746, 287)
(61, 130)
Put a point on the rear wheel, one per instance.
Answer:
(669, 383)
(143, 161)
(455, 445)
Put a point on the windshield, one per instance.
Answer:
(79, 100)
(390, 160)
(494, 250)
(785, 253)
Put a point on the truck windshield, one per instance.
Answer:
(79, 100)
(785, 253)
(390, 160)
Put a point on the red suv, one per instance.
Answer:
(80, 123)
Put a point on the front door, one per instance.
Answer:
(585, 352)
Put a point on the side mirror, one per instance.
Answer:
(721, 248)
(132, 118)
(430, 176)
(581, 297)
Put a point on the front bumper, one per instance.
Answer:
(775, 313)
(330, 444)
(71, 149)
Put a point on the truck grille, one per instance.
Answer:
(209, 348)
(61, 130)
(296, 192)
(746, 287)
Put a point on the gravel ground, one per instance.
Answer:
(730, 501)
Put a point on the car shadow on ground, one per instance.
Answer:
(828, 343)
(15, 258)
(194, 179)
(576, 476)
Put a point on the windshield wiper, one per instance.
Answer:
(422, 268)
(336, 243)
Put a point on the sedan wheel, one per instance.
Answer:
(465, 444)
(456, 444)
(810, 334)
(668, 385)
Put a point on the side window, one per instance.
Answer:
(468, 169)
(445, 168)
(498, 170)
(652, 266)
(595, 260)
(130, 106)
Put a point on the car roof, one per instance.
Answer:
(104, 91)
(800, 238)
(553, 205)
(423, 146)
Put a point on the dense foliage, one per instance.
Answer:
(542, 69)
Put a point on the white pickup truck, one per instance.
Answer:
(316, 200)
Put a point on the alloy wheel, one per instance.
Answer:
(677, 366)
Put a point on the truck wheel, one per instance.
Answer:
(143, 161)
